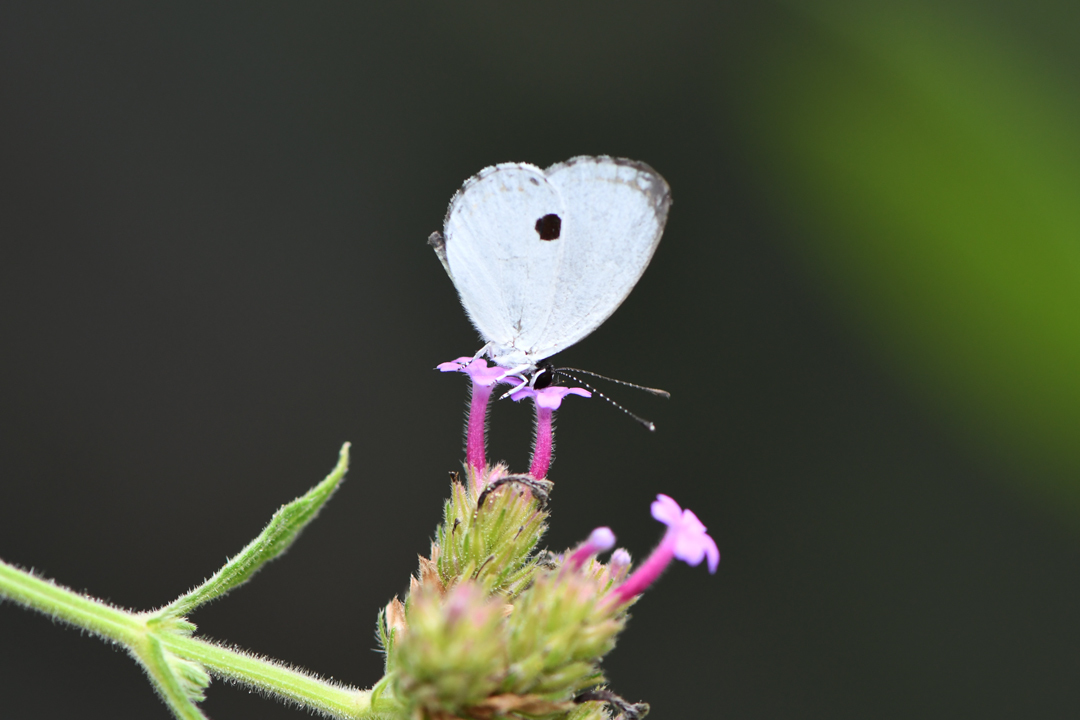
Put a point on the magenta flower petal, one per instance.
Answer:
(690, 542)
(549, 398)
(457, 365)
(476, 368)
(482, 374)
(666, 510)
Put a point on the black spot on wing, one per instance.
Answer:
(549, 227)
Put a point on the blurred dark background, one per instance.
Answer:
(866, 305)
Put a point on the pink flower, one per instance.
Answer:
(476, 368)
(484, 379)
(619, 564)
(547, 401)
(600, 540)
(691, 544)
(685, 539)
(549, 398)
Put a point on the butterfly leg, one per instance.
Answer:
(482, 351)
(516, 373)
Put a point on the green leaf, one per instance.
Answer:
(284, 527)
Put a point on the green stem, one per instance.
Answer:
(133, 630)
(338, 701)
(60, 603)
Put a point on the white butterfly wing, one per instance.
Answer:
(615, 216)
(493, 252)
(536, 294)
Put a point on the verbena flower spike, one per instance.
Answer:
(491, 627)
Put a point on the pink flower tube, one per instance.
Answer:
(484, 379)
(547, 401)
(685, 539)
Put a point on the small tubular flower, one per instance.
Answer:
(685, 539)
(549, 398)
(619, 564)
(691, 543)
(476, 368)
(484, 379)
(600, 540)
(547, 401)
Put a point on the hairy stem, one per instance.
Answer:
(147, 640)
(331, 699)
(62, 604)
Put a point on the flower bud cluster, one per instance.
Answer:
(588, 711)
(490, 531)
(451, 653)
(489, 629)
(559, 630)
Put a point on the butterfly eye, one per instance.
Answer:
(549, 227)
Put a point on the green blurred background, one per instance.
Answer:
(866, 307)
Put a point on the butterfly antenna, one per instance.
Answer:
(654, 391)
(640, 420)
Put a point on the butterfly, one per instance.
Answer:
(542, 257)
